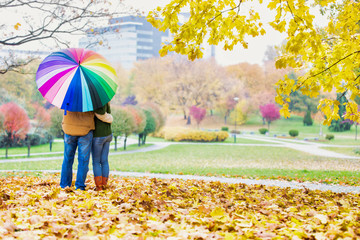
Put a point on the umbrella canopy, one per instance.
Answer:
(76, 80)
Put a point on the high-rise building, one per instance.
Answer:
(126, 40)
(130, 39)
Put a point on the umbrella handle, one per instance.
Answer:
(65, 110)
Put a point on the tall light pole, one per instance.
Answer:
(236, 99)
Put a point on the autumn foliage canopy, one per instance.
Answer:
(326, 57)
(197, 113)
(16, 121)
(270, 112)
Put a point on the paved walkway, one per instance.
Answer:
(299, 145)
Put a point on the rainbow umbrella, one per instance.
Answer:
(76, 80)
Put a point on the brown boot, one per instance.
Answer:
(104, 182)
(98, 183)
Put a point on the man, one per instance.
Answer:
(78, 128)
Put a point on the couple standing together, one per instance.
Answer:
(89, 132)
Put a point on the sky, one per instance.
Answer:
(256, 46)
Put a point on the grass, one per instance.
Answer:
(229, 160)
(342, 141)
(218, 160)
(60, 150)
(56, 147)
(344, 150)
(282, 126)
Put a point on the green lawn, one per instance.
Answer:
(34, 153)
(229, 160)
(351, 151)
(282, 126)
(56, 147)
(237, 161)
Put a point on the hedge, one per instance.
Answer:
(190, 135)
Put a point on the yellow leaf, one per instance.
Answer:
(16, 26)
(323, 218)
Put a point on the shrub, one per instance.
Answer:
(263, 130)
(158, 134)
(222, 136)
(307, 119)
(226, 129)
(329, 136)
(293, 133)
(357, 150)
(46, 138)
(32, 139)
(181, 134)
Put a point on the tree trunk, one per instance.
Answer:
(28, 150)
(141, 135)
(6, 151)
(268, 126)
(115, 138)
(144, 139)
(139, 141)
(188, 121)
(225, 119)
(125, 143)
(184, 114)
(211, 113)
(355, 131)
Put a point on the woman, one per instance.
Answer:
(101, 145)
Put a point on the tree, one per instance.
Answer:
(151, 80)
(16, 124)
(177, 83)
(123, 124)
(259, 87)
(225, 106)
(56, 116)
(240, 112)
(6, 97)
(139, 117)
(270, 112)
(55, 20)
(303, 103)
(42, 118)
(340, 125)
(149, 127)
(159, 117)
(326, 57)
(307, 119)
(198, 114)
(2, 119)
(21, 88)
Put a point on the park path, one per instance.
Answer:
(313, 148)
(304, 146)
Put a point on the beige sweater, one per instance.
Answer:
(78, 123)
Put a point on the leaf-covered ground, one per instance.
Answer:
(33, 207)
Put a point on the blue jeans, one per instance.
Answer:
(100, 153)
(83, 143)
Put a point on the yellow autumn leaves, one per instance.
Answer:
(326, 58)
(35, 207)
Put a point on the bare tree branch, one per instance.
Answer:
(52, 20)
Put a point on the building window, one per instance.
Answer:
(144, 40)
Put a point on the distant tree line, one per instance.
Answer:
(17, 131)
